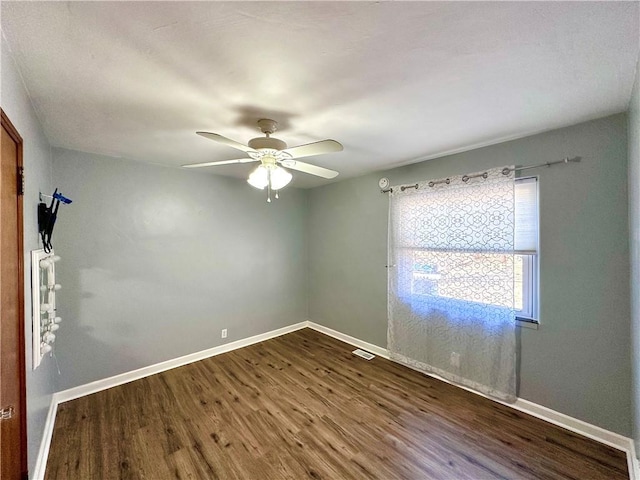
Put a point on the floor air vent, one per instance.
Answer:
(363, 354)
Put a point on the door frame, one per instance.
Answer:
(15, 136)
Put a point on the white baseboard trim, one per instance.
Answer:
(369, 347)
(585, 429)
(560, 419)
(43, 452)
(632, 462)
(575, 425)
(99, 385)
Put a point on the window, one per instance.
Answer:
(455, 276)
(526, 247)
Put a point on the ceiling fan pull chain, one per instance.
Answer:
(269, 185)
(277, 195)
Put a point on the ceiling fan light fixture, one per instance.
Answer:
(271, 176)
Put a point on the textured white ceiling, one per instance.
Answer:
(394, 82)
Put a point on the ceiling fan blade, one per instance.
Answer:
(226, 141)
(316, 148)
(222, 162)
(308, 168)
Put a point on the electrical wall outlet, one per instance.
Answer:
(455, 359)
(224, 333)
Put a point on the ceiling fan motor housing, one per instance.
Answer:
(267, 142)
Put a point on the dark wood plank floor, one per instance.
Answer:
(302, 406)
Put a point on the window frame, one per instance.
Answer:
(530, 296)
(529, 316)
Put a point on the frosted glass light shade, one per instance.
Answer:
(259, 178)
(280, 178)
(262, 175)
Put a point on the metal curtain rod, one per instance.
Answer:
(505, 171)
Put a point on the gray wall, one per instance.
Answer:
(634, 230)
(37, 163)
(156, 261)
(578, 362)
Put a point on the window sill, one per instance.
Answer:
(527, 323)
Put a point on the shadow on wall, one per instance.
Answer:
(119, 314)
(75, 337)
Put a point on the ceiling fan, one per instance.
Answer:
(273, 154)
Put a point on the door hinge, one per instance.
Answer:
(6, 413)
(20, 180)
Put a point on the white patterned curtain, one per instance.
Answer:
(451, 281)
